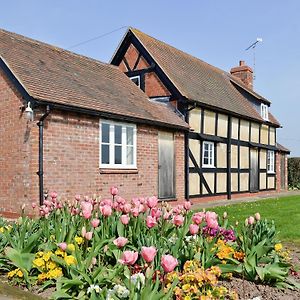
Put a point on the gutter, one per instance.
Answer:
(40, 172)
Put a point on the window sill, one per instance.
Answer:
(119, 171)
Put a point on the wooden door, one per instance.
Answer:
(166, 172)
(253, 170)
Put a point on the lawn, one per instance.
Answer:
(284, 211)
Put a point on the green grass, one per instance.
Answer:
(284, 211)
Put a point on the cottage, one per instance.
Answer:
(76, 125)
(230, 150)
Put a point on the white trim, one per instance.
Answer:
(136, 77)
(211, 154)
(271, 162)
(264, 112)
(111, 143)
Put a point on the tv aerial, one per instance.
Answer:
(253, 47)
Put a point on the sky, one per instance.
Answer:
(215, 31)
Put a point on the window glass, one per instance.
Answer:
(129, 135)
(208, 154)
(118, 134)
(105, 154)
(105, 132)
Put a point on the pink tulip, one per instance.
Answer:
(86, 214)
(106, 210)
(168, 263)
(198, 217)
(124, 219)
(94, 261)
(148, 253)
(135, 201)
(142, 208)
(83, 231)
(53, 195)
(151, 222)
(167, 215)
(126, 208)
(211, 215)
(152, 201)
(213, 224)
(85, 205)
(251, 220)
(114, 191)
(33, 205)
(59, 205)
(257, 216)
(62, 246)
(47, 203)
(95, 222)
(89, 235)
(194, 229)
(77, 197)
(129, 257)
(178, 220)
(187, 205)
(106, 202)
(135, 212)
(120, 242)
(120, 200)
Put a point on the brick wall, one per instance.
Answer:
(15, 150)
(71, 157)
(153, 85)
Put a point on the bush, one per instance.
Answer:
(294, 172)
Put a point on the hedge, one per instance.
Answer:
(294, 172)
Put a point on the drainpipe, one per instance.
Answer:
(40, 172)
(229, 158)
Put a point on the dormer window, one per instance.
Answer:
(264, 112)
(136, 80)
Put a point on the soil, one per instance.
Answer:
(248, 290)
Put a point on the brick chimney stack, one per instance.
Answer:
(244, 73)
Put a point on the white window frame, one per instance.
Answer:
(111, 143)
(270, 161)
(264, 112)
(139, 80)
(211, 154)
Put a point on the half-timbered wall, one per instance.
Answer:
(231, 170)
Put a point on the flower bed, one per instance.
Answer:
(115, 249)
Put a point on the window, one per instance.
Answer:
(264, 111)
(208, 154)
(136, 80)
(118, 145)
(270, 162)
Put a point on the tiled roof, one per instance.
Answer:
(59, 76)
(282, 148)
(200, 81)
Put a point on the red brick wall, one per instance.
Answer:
(15, 150)
(71, 157)
(278, 171)
(153, 85)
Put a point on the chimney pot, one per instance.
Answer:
(242, 63)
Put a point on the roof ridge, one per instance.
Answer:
(53, 47)
(214, 68)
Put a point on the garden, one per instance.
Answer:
(94, 248)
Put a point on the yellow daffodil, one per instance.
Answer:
(1, 229)
(47, 256)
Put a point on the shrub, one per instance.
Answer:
(294, 172)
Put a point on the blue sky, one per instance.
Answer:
(215, 31)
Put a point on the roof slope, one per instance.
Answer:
(199, 81)
(59, 76)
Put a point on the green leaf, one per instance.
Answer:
(19, 259)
